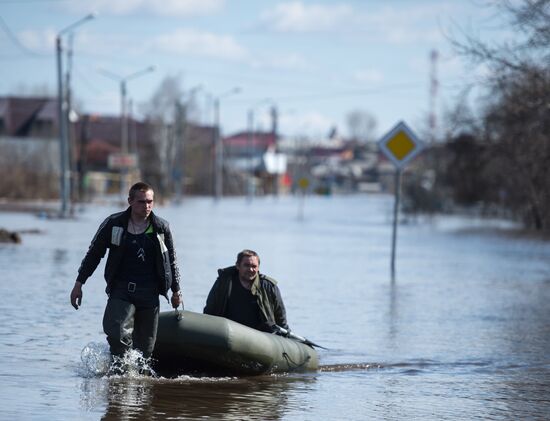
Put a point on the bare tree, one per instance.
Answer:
(177, 151)
(161, 105)
(517, 122)
(530, 21)
(156, 157)
(361, 125)
(516, 115)
(509, 140)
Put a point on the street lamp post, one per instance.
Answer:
(250, 143)
(218, 146)
(123, 80)
(65, 172)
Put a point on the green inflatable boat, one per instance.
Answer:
(201, 343)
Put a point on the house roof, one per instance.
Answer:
(259, 139)
(19, 113)
(49, 111)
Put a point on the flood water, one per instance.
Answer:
(462, 333)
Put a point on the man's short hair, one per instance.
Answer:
(247, 253)
(139, 186)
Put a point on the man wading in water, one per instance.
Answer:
(141, 265)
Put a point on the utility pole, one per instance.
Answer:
(218, 153)
(274, 125)
(64, 171)
(123, 80)
(434, 84)
(82, 161)
(68, 120)
(179, 160)
(62, 119)
(132, 129)
(250, 152)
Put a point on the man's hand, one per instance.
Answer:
(76, 295)
(177, 300)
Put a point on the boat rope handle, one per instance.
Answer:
(289, 361)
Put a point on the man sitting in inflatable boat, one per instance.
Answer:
(242, 294)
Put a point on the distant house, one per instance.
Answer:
(29, 149)
(100, 136)
(256, 157)
(245, 150)
(29, 129)
(28, 117)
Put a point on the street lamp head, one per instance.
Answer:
(124, 79)
(261, 103)
(75, 24)
(109, 74)
(232, 91)
(195, 89)
(140, 73)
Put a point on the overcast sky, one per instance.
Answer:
(317, 60)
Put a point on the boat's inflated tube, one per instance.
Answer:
(205, 343)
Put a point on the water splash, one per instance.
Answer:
(96, 359)
(132, 364)
(97, 362)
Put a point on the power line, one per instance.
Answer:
(16, 41)
(29, 1)
(342, 93)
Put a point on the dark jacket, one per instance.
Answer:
(111, 234)
(268, 296)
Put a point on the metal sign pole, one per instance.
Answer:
(400, 145)
(395, 218)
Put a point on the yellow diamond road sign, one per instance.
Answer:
(400, 145)
(303, 183)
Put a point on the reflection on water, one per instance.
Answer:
(134, 396)
(462, 333)
(145, 398)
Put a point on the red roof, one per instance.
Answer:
(259, 139)
(98, 150)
